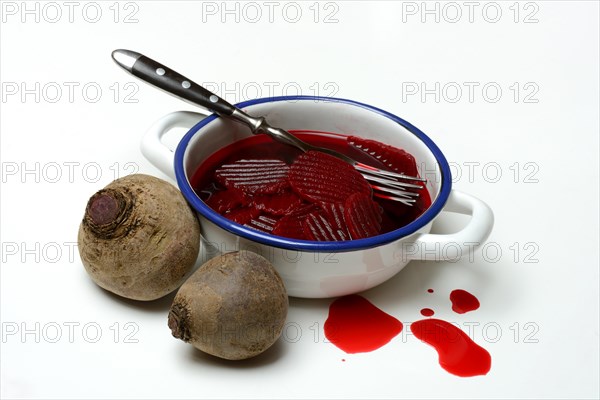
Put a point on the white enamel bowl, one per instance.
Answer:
(323, 269)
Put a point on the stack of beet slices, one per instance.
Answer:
(318, 197)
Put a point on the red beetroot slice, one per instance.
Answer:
(227, 200)
(279, 204)
(262, 223)
(242, 215)
(334, 213)
(363, 216)
(395, 159)
(319, 177)
(254, 176)
(291, 225)
(318, 227)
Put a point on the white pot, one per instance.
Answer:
(323, 269)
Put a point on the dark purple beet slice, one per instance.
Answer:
(242, 215)
(363, 216)
(394, 159)
(319, 177)
(254, 176)
(227, 200)
(291, 224)
(277, 204)
(262, 223)
(317, 227)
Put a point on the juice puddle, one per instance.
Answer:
(355, 325)
(457, 353)
(463, 301)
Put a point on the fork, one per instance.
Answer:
(386, 184)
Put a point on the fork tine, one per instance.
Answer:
(386, 185)
(400, 193)
(391, 183)
(372, 170)
(408, 202)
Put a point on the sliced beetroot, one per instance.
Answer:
(277, 204)
(318, 227)
(387, 222)
(362, 215)
(262, 223)
(395, 159)
(319, 177)
(335, 215)
(226, 200)
(291, 225)
(255, 176)
(242, 215)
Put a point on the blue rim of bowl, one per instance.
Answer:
(306, 245)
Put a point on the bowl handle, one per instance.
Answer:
(450, 247)
(155, 150)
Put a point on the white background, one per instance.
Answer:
(539, 296)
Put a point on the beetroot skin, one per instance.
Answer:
(139, 238)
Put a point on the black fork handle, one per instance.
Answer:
(170, 81)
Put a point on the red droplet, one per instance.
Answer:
(427, 312)
(457, 353)
(429, 290)
(463, 301)
(343, 360)
(357, 326)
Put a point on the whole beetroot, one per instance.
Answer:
(233, 307)
(139, 238)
